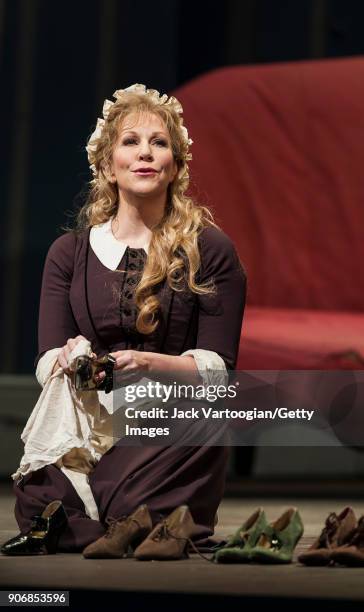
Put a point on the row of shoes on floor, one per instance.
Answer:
(133, 534)
(341, 540)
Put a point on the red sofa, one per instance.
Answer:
(278, 155)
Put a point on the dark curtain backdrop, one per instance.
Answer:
(60, 60)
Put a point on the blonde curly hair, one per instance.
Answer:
(173, 252)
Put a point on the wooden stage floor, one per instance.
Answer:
(132, 585)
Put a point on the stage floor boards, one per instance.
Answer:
(193, 576)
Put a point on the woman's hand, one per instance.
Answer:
(64, 354)
(133, 364)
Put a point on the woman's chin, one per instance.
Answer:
(147, 191)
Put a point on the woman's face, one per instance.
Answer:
(142, 160)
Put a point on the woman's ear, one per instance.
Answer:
(109, 173)
(175, 171)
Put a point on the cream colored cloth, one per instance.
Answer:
(68, 428)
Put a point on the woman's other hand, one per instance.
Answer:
(133, 364)
(64, 354)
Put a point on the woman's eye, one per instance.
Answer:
(160, 141)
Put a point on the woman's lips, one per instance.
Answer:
(145, 172)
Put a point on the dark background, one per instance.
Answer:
(60, 60)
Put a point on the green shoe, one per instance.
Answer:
(238, 547)
(278, 540)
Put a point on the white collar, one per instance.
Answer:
(106, 247)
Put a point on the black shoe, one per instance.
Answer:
(43, 536)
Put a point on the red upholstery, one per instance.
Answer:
(278, 154)
(290, 338)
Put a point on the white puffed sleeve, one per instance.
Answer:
(211, 366)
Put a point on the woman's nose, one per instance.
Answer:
(145, 151)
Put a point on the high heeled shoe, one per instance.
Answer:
(278, 540)
(239, 546)
(337, 530)
(121, 533)
(351, 553)
(169, 538)
(44, 533)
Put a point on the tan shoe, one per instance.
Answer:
(169, 539)
(122, 533)
(337, 531)
(351, 554)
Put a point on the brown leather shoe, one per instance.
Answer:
(352, 553)
(337, 531)
(121, 533)
(169, 539)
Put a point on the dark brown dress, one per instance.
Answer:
(81, 296)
